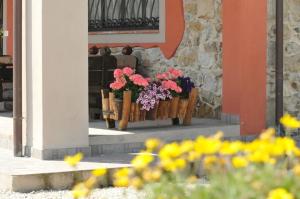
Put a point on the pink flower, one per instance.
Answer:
(118, 73)
(171, 85)
(117, 85)
(175, 73)
(139, 80)
(128, 71)
(148, 79)
(162, 76)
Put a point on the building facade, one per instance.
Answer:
(227, 47)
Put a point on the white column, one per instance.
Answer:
(57, 77)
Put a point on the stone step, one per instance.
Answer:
(109, 141)
(27, 174)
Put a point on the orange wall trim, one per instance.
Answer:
(244, 62)
(10, 20)
(175, 26)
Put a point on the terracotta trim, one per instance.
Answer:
(125, 32)
(174, 31)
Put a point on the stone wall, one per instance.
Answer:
(199, 55)
(291, 58)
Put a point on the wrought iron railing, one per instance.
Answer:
(122, 15)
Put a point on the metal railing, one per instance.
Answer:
(122, 15)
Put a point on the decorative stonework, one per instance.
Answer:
(199, 54)
(291, 58)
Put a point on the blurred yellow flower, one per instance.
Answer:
(124, 172)
(180, 163)
(268, 134)
(280, 193)
(80, 191)
(156, 174)
(231, 148)
(90, 183)
(152, 144)
(142, 161)
(73, 160)
(210, 161)
(168, 164)
(187, 146)
(99, 172)
(121, 182)
(239, 162)
(296, 170)
(290, 122)
(207, 146)
(170, 151)
(136, 182)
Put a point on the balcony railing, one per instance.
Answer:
(123, 15)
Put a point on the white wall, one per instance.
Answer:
(57, 74)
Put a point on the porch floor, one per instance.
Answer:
(29, 174)
(107, 141)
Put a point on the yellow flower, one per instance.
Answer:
(74, 160)
(186, 146)
(152, 144)
(156, 174)
(168, 164)
(99, 172)
(122, 182)
(210, 161)
(268, 134)
(231, 148)
(280, 193)
(122, 173)
(290, 122)
(80, 191)
(180, 163)
(170, 151)
(207, 146)
(142, 161)
(136, 183)
(296, 170)
(90, 183)
(239, 162)
(219, 135)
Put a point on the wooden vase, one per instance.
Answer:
(105, 104)
(163, 110)
(173, 110)
(125, 111)
(182, 108)
(191, 106)
(152, 114)
(118, 108)
(135, 112)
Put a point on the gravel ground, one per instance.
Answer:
(111, 193)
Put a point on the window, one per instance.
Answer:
(124, 15)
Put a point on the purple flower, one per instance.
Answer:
(151, 95)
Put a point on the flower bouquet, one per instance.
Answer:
(170, 81)
(150, 98)
(135, 98)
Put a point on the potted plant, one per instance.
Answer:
(127, 80)
(170, 81)
(150, 98)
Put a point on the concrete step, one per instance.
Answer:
(109, 141)
(28, 174)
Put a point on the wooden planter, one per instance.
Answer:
(152, 114)
(163, 110)
(173, 110)
(126, 111)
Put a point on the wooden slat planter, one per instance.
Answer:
(126, 111)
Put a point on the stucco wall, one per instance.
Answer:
(291, 58)
(199, 54)
(57, 77)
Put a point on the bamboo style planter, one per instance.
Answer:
(126, 111)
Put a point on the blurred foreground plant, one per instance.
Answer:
(265, 168)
